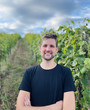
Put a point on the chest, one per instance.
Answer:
(46, 87)
(47, 82)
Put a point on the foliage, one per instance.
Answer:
(7, 41)
(34, 44)
(10, 91)
(74, 53)
(11, 76)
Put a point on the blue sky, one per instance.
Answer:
(24, 16)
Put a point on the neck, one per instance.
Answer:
(48, 64)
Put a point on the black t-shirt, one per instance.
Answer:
(47, 86)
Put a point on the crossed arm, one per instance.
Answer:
(68, 103)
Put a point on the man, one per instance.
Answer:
(48, 86)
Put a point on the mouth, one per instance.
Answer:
(48, 53)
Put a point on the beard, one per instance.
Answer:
(48, 59)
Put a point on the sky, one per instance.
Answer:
(25, 16)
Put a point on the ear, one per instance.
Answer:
(40, 48)
(57, 49)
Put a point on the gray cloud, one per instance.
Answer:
(38, 9)
(32, 12)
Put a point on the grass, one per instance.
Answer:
(12, 71)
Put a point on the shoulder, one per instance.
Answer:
(31, 70)
(64, 68)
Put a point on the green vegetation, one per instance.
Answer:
(74, 44)
(34, 41)
(11, 74)
(74, 52)
(7, 41)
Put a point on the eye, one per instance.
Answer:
(52, 46)
(45, 45)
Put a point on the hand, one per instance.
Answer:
(27, 101)
(58, 105)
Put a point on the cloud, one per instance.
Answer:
(31, 11)
(54, 22)
(31, 15)
(86, 12)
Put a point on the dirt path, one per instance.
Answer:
(21, 56)
(19, 60)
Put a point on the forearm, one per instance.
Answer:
(69, 107)
(23, 103)
(49, 107)
(69, 101)
(56, 106)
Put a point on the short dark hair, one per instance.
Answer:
(52, 36)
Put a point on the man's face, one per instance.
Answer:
(48, 49)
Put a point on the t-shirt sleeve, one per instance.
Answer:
(26, 81)
(68, 81)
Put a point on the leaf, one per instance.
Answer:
(72, 22)
(81, 52)
(60, 28)
(86, 19)
(84, 82)
(80, 59)
(77, 74)
(87, 63)
(74, 63)
(83, 70)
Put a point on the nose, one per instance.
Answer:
(48, 48)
